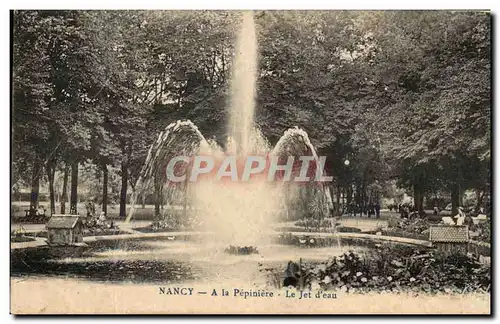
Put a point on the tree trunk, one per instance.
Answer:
(479, 200)
(339, 209)
(50, 175)
(74, 189)
(123, 192)
(105, 189)
(358, 196)
(157, 187)
(349, 194)
(143, 201)
(421, 211)
(162, 198)
(344, 201)
(367, 196)
(419, 199)
(64, 197)
(35, 186)
(455, 199)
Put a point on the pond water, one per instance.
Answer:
(167, 260)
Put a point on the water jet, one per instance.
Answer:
(240, 214)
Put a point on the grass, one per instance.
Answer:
(113, 212)
(86, 233)
(21, 239)
(37, 234)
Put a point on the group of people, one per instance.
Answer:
(465, 218)
(92, 219)
(371, 209)
(407, 210)
(33, 211)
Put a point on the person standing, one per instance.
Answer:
(102, 219)
(90, 206)
(406, 211)
(460, 217)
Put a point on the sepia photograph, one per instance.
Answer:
(248, 162)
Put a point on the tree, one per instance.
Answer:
(401, 95)
(31, 90)
(436, 105)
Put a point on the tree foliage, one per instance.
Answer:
(401, 95)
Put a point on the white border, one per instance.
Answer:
(186, 4)
(255, 4)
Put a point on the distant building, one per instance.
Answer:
(64, 230)
(449, 238)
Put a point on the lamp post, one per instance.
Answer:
(347, 162)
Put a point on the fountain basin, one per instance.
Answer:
(189, 257)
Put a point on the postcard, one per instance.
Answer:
(250, 162)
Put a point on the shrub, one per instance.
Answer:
(389, 268)
(484, 231)
(174, 221)
(241, 250)
(15, 209)
(346, 229)
(411, 225)
(314, 223)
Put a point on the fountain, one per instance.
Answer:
(238, 252)
(239, 214)
(237, 244)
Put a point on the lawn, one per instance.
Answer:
(18, 210)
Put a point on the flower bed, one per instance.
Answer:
(315, 223)
(154, 229)
(31, 219)
(86, 233)
(341, 229)
(401, 233)
(418, 225)
(398, 268)
(104, 232)
(307, 241)
(170, 223)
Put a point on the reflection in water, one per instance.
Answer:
(161, 261)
